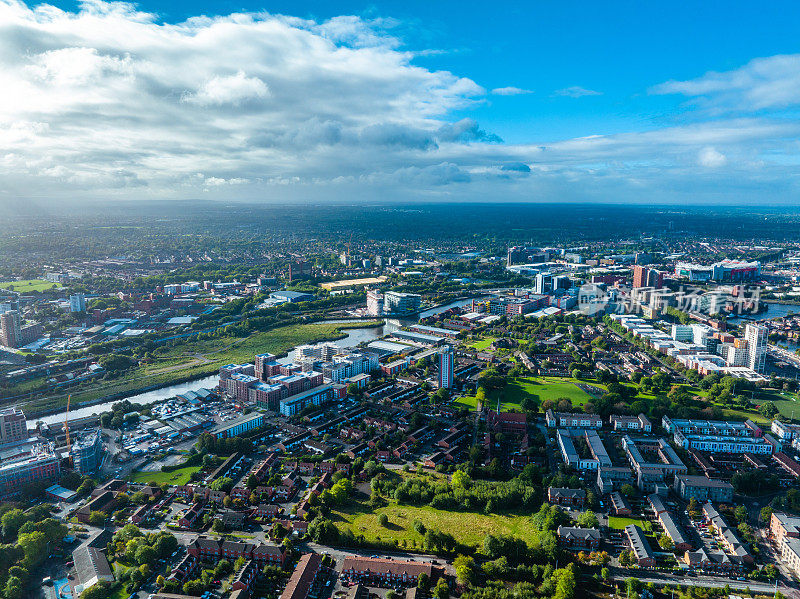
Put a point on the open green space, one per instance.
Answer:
(729, 413)
(786, 402)
(29, 285)
(482, 344)
(196, 359)
(537, 388)
(180, 476)
(467, 527)
(619, 523)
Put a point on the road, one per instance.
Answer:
(717, 582)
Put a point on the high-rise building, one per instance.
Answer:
(10, 328)
(374, 303)
(447, 362)
(647, 277)
(543, 283)
(756, 336)
(13, 426)
(87, 452)
(77, 302)
(399, 304)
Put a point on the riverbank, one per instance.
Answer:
(192, 361)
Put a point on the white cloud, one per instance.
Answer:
(112, 102)
(234, 89)
(772, 82)
(510, 91)
(576, 91)
(709, 157)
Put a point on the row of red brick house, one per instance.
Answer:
(208, 549)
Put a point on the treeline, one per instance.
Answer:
(26, 538)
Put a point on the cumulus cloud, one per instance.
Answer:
(234, 89)
(576, 91)
(711, 158)
(772, 82)
(510, 91)
(111, 101)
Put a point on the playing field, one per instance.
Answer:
(29, 285)
(482, 344)
(539, 389)
(468, 528)
(176, 477)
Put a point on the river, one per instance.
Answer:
(353, 337)
(775, 310)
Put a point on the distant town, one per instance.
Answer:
(389, 419)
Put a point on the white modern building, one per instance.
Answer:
(756, 336)
(446, 367)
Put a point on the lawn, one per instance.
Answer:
(196, 359)
(620, 523)
(467, 402)
(29, 285)
(482, 344)
(543, 388)
(176, 477)
(468, 528)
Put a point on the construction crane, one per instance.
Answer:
(66, 429)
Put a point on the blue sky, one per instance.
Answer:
(619, 49)
(618, 101)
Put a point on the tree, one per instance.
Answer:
(33, 546)
(605, 574)
(768, 409)
(740, 513)
(194, 587)
(160, 581)
(587, 519)
(766, 515)
(146, 555)
(423, 580)
(13, 588)
(12, 521)
(666, 543)
(383, 520)
(218, 526)
(465, 569)
(101, 590)
(627, 490)
(441, 591)
(97, 518)
(460, 480)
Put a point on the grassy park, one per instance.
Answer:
(482, 344)
(28, 285)
(180, 476)
(538, 388)
(467, 527)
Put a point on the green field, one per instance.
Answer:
(197, 359)
(482, 344)
(620, 523)
(543, 388)
(176, 477)
(29, 285)
(786, 402)
(468, 528)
